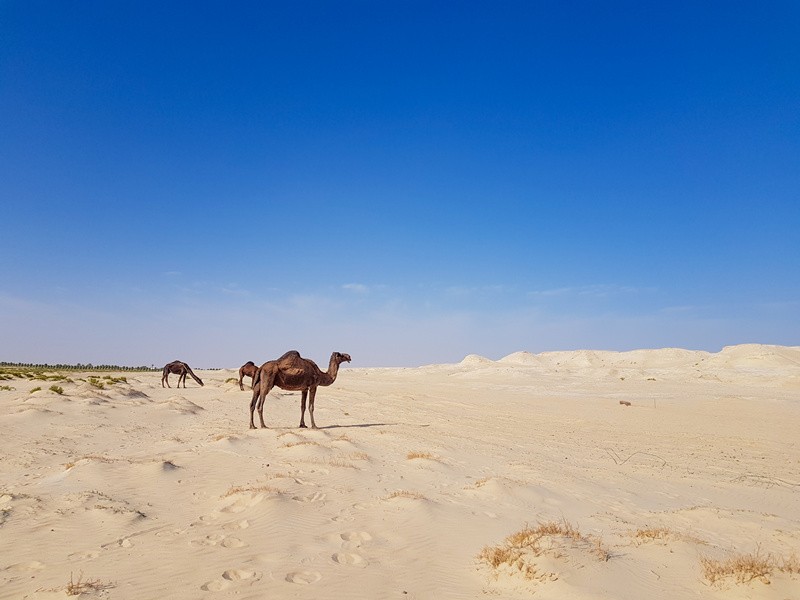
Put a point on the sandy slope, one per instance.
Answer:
(165, 493)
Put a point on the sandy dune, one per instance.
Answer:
(414, 482)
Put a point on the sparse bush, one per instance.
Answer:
(76, 588)
(652, 533)
(518, 551)
(6, 388)
(257, 489)
(742, 568)
(406, 494)
(413, 455)
(57, 389)
(36, 389)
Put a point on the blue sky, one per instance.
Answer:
(409, 182)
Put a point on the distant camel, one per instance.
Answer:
(294, 373)
(248, 369)
(178, 368)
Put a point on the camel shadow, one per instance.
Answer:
(358, 425)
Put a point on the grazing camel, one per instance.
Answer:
(248, 369)
(180, 369)
(294, 373)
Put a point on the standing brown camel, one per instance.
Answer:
(294, 373)
(180, 369)
(248, 369)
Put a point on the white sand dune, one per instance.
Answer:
(414, 475)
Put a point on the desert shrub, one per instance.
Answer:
(518, 551)
(77, 588)
(742, 568)
(414, 454)
(57, 389)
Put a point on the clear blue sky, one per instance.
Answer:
(409, 182)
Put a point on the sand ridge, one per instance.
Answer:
(147, 492)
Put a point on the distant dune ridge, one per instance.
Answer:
(654, 474)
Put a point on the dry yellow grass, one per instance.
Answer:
(302, 443)
(743, 568)
(405, 494)
(76, 588)
(415, 455)
(518, 551)
(251, 489)
(652, 533)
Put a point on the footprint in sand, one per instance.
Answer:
(343, 518)
(243, 524)
(238, 574)
(315, 497)
(243, 504)
(217, 539)
(206, 520)
(355, 536)
(214, 586)
(33, 565)
(89, 555)
(304, 577)
(232, 542)
(348, 558)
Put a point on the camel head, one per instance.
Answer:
(340, 357)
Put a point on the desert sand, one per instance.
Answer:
(416, 482)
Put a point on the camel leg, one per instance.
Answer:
(303, 408)
(265, 385)
(241, 376)
(311, 396)
(165, 377)
(256, 391)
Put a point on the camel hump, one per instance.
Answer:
(292, 364)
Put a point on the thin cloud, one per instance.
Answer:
(356, 288)
(593, 291)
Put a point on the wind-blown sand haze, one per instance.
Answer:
(585, 475)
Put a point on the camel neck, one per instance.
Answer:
(333, 370)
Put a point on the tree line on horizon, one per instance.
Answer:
(77, 367)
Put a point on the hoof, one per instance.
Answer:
(303, 425)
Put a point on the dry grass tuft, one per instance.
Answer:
(414, 455)
(744, 568)
(302, 443)
(76, 588)
(405, 494)
(252, 489)
(517, 553)
(790, 565)
(649, 534)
